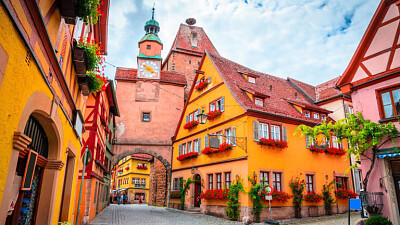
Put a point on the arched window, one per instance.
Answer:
(35, 131)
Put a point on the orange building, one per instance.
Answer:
(101, 110)
(247, 110)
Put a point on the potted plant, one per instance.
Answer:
(273, 143)
(214, 114)
(88, 56)
(88, 10)
(96, 82)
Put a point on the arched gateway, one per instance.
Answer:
(118, 156)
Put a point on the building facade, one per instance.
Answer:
(372, 79)
(101, 110)
(133, 177)
(150, 100)
(247, 110)
(41, 97)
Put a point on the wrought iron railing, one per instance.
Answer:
(372, 201)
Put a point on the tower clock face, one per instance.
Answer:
(149, 69)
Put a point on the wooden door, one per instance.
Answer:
(396, 178)
(197, 191)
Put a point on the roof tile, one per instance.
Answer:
(166, 76)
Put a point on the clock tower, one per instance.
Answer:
(150, 46)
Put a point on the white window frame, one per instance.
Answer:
(189, 146)
(275, 132)
(251, 80)
(316, 116)
(195, 145)
(259, 102)
(262, 128)
(184, 149)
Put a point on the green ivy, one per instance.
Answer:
(361, 134)
(233, 210)
(327, 197)
(183, 191)
(255, 195)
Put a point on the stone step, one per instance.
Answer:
(194, 210)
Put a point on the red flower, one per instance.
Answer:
(187, 156)
(212, 115)
(201, 85)
(344, 194)
(312, 197)
(273, 143)
(216, 194)
(191, 124)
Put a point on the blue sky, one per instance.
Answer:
(309, 40)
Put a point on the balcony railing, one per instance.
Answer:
(372, 202)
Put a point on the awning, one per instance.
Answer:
(388, 155)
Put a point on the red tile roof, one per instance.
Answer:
(277, 90)
(320, 92)
(166, 76)
(182, 40)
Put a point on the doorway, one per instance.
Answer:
(395, 166)
(197, 190)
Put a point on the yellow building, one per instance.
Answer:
(41, 106)
(249, 111)
(133, 177)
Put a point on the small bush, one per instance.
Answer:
(378, 220)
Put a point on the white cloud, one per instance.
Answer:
(310, 40)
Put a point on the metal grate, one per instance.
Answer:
(28, 58)
(35, 131)
(372, 201)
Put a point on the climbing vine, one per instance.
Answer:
(183, 191)
(361, 134)
(233, 210)
(255, 195)
(297, 186)
(327, 197)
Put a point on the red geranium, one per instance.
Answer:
(344, 194)
(217, 194)
(191, 124)
(212, 115)
(187, 156)
(280, 196)
(315, 149)
(141, 167)
(208, 150)
(224, 147)
(313, 197)
(273, 143)
(335, 151)
(201, 85)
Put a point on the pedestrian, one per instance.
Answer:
(119, 198)
(125, 198)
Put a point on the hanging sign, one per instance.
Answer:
(29, 170)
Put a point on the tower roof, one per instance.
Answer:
(152, 28)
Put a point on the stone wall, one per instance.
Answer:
(158, 184)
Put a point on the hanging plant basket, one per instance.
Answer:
(80, 61)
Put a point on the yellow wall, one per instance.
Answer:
(19, 83)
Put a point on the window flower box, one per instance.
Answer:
(317, 150)
(175, 194)
(187, 156)
(208, 150)
(312, 197)
(141, 167)
(215, 194)
(83, 83)
(190, 125)
(127, 168)
(344, 194)
(214, 114)
(335, 151)
(273, 143)
(88, 10)
(68, 11)
(224, 147)
(202, 84)
(279, 196)
(80, 60)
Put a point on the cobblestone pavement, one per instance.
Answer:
(146, 215)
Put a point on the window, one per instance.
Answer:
(217, 105)
(228, 179)
(219, 180)
(220, 136)
(323, 117)
(259, 102)
(391, 102)
(145, 117)
(351, 110)
(310, 182)
(140, 164)
(309, 142)
(135, 180)
(177, 184)
(196, 146)
(341, 182)
(263, 130)
(189, 147)
(277, 181)
(210, 182)
(252, 80)
(264, 178)
(307, 114)
(148, 47)
(230, 136)
(316, 116)
(335, 144)
(184, 149)
(275, 132)
(143, 181)
(192, 116)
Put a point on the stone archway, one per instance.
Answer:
(160, 174)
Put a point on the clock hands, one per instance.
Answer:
(149, 69)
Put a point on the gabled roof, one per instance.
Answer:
(319, 93)
(182, 40)
(130, 74)
(278, 90)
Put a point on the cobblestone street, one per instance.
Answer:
(144, 214)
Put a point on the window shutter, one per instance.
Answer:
(206, 141)
(199, 146)
(187, 119)
(284, 133)
(346, 109)
(197, 113)
(233, 138)
(222, 104)
(197, 83)
(180, 150)
(357, 180)
(209, 80)
(255, 130)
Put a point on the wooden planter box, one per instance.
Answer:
(83, 83)
(68, 11)
(80, 60)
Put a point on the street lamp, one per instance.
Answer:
(202, 118)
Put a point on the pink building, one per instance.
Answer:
(372, 78)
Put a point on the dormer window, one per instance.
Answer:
(259, 102)
(323, 117)
(252, 80)
(316, 116)
(307, 114)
